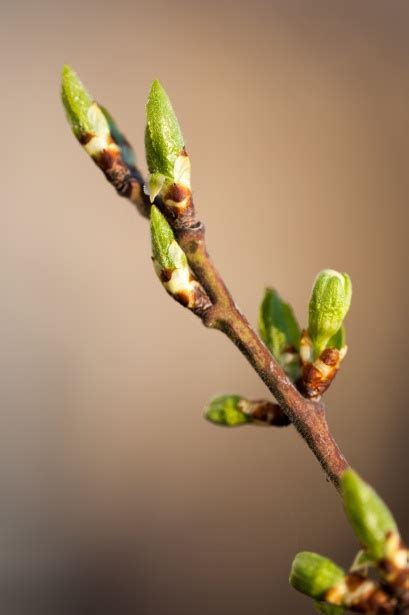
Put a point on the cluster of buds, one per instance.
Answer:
(169, 178)
(234, 410)
(172, 268)
(311, 358)
(168, 162)
(101, 138)
(335, 590)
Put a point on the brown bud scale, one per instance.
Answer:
(362, 595)
(317, 376)
(267, 412)
(126, 180)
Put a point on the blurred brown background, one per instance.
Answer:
(117, 497)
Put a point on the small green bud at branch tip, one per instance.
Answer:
(329, 304)
(369, 516)
(314, 575)
(225, 410)
(163, 137)
(88, 121)
(77, 101)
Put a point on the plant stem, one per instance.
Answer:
(308, 416)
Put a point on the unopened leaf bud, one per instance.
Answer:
(172, 267)
(227, 410)
(314, 575)
(369, 516)
(329, 304)
(168, 162)
(87, 119)
(163, 137)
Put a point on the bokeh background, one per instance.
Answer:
(117, 498)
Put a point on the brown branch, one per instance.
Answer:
(308, 416)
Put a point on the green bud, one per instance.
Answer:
(367, 513)
(76, 100)
(329, 304)
(168, 255)
(314, 575)
(328, 609)
(163, 137)
(87, 120)
(225, 410)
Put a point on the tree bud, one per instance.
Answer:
(314, 575)
(329, 304)
(370, 518)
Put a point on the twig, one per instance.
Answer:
(207, 295)
(308, 416)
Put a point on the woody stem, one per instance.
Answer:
(308, 416)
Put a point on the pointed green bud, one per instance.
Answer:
(76, 100)
(171, 264)
(163, 137)
(167, 253)
(328, 609)
(226, 410)
(370, 518)
(172, 267)
(329, 304)
(314, 575)
(87, 120)
(279, 330)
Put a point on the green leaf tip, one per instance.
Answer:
(369, 516)
(329, 304)
(314, 575)
(167, 253)
(163, 137)
(76, 100)
(225, 410)
(279, 330)
(277, 323)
